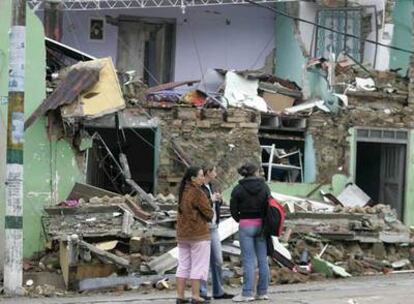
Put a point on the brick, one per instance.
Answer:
(248, 125)
(203, 124)
(213, 113)
(177, 123)
(228, 125)
(186, 114)
(189, 123)
(237, 119)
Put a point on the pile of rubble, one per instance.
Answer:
(114, 241)
(102, 239)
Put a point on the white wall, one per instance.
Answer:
(203, 40)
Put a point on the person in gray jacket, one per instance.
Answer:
(216, 256)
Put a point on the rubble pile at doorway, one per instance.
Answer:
(354, 239)
(323, 240)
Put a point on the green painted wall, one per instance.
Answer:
(50, 168)
(289, 60)
(309, 163)
(302, 189)
(402, 37)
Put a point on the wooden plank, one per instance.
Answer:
(88, 271)
(67, 259)
(83, 210)
(86, 192)
(110, 256)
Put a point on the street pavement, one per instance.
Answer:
(389, 289)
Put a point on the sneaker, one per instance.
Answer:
(241, 298)
(205, 297)
(262, 297)
(224, 296)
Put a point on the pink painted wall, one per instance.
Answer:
(229, 37)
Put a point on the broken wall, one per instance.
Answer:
(49, 166)
(295, 41)
(335, 144)
(403, 30)
(229, 37)
(226, 139)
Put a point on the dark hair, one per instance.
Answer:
(248, 169)
(207, 167)
(189, 173)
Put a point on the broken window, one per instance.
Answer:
(282, 141)
(380, 165)
(345, 20)
(145, 45)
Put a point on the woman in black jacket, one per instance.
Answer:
(247, 205)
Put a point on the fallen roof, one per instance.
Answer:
(78, 80)
(67, 50)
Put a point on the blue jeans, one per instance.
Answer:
(216, 264)
(254, 252)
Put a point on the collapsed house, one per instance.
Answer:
(136, 234)
(110, 135)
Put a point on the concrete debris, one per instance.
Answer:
(104, 97)
(327, 268)
(366, 84)
(240, 91)
(321, 240)
(308, 107)
(110, 240)
(353, 196)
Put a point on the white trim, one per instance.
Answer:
(82, 5)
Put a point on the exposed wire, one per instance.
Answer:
(328, 28)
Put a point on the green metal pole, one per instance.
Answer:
(13, 262)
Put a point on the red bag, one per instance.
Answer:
(274, 218)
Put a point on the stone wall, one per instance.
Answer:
(225, 138)
(370, 110)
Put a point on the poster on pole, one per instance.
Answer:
(17, 128)
(17, 58)
(14, 190)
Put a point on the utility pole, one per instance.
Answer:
(13, 262)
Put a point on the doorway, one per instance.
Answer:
(146, 46)
(381, 168)
(139, 146)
